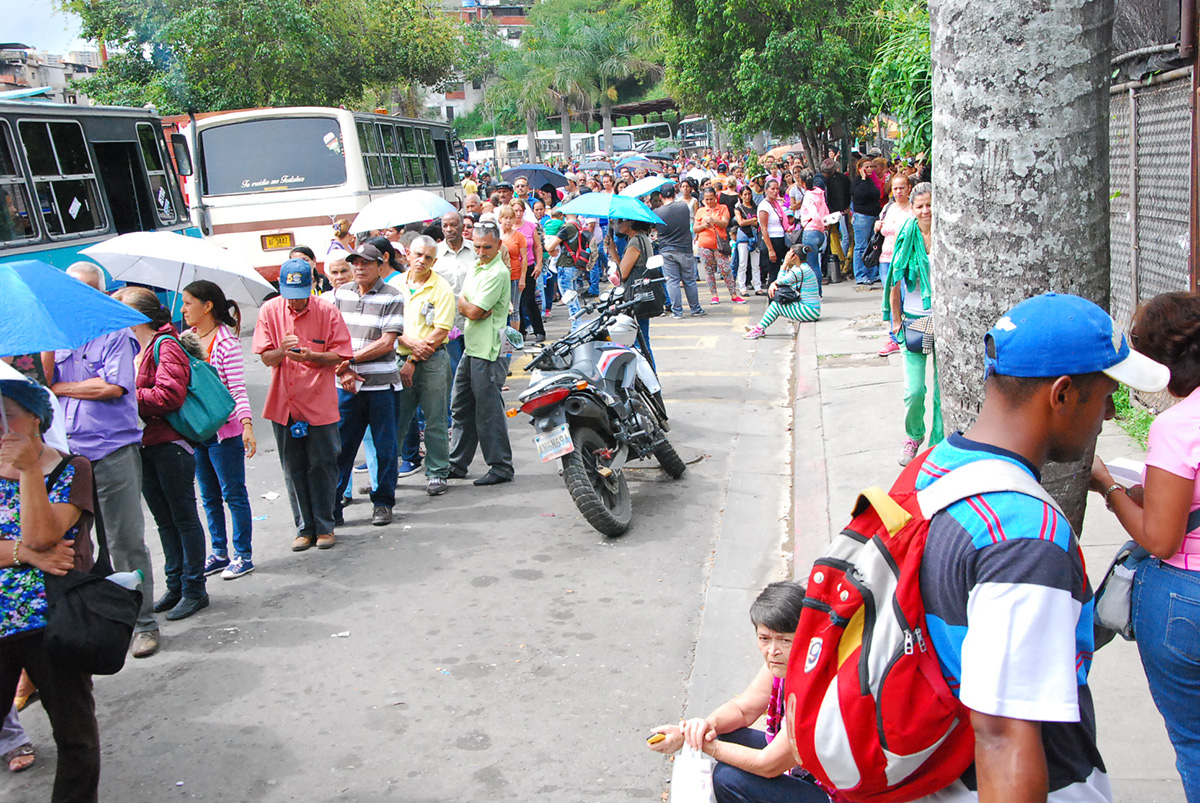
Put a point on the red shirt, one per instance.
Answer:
(303, 391)
(162, 386)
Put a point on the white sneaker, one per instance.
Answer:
(908, 450)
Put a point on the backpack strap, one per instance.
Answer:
(980, 477)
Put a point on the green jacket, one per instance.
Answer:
(910, 262)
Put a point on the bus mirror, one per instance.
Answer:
(183, 157)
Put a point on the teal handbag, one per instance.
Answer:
(208, 403)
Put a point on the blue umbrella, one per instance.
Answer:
(603, 204)
(536, 175)
(43, 309)
(644, 186)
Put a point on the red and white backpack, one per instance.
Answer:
(869, 712)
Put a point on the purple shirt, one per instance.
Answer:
(96, 429)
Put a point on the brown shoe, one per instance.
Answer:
(302, 542)
(145, 644)
(326, 541)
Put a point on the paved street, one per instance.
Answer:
(489, 645)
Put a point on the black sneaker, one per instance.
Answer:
(381, 515)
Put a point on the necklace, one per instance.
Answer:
(204, 335)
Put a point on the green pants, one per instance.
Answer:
(431, 390)
(914, 396)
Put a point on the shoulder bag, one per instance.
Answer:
(918, 335)
(874, 250)
(90, 620)
(208, 403)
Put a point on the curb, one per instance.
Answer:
(810, 492)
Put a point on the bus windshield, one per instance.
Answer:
(271, 155)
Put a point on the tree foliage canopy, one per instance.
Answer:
(901, 80)
(214, 55)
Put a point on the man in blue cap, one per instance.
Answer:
(303, 340)
(1008, 605)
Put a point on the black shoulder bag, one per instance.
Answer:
(90, 620)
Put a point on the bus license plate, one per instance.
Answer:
(277, 242)
(555, 443)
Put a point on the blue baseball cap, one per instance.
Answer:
(295, 279)
(1057, 335)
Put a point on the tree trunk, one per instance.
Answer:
(606, 114)
(1020, 172)
(531, 146)
(566, 131)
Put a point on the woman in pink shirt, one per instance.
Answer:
(1163, 516)
(531, 314)
(221, 461)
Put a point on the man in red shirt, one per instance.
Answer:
(303, 339)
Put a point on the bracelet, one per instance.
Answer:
(1108, 492)
(16, 546)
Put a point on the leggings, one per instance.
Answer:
(714, 261)
(531, 313)
(795, 311)
(770, 269)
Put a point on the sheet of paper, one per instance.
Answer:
(1125, 471)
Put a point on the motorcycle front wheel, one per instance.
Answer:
(604, 501)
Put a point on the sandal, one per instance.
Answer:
(14, 758)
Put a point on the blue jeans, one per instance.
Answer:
(376, 409)
(1166, 618)
(566, 281)
(221, 475)
(644, 329)
(169, 488)
(733, 785)
(680, 267)
(816, 240)
(864, 227)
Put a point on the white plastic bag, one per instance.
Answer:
(691, 777)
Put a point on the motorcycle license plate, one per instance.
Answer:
(554, 444)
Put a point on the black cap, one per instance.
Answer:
(367, 253)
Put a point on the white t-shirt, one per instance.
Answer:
(774, 224)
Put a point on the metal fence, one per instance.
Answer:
(1150, 146)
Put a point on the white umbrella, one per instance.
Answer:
(645, 186)
(173, 261)
(399, 209)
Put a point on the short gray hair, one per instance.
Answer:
(89, 270)
(423, 240)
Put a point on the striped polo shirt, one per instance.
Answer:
(1009, 612)
(368, 317)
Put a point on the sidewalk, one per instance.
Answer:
(847, 430)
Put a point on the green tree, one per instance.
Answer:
(901, 78)
(214, 55)
(558, 46)
(617, 48)
(522, 84)
(785, 66)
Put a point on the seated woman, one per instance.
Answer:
(797, 275)
(754, 766)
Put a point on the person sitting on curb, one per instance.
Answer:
(796, 274)
(753, 765)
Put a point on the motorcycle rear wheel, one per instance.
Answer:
(604, 501)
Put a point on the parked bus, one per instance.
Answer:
(268, 180)
(594, 143)
(695, 133)
(481, 150)
(646, 134)
(72, 176)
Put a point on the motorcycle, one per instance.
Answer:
(595, 404)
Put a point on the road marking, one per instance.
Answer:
(767, 402)
(710, 373)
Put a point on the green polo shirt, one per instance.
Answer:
(486, 286)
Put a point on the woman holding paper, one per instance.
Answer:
(1163, 516)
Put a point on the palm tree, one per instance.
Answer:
(616, 48)
(559, 47)
(523, 84)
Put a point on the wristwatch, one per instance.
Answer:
(1108, 493)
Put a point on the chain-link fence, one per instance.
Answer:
(1150, 152)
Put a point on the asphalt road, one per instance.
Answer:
(488, 645)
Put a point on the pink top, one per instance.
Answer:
(304, 391)
(893, 220)
(225, 354)
(529, 229)
(1174, 446)
(814, 210)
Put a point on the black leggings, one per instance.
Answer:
(770, 268)
(530, 314)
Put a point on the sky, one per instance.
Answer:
(40, 25)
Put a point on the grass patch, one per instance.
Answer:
(1134, 419)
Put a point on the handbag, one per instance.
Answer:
(89, 620)
(1114, 597)
(723, 246)
(786, 294)
(918, 335)
(874, 248)
(208, 403)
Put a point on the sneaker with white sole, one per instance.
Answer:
(715, 300)
(891, 347)
(214, 564)
(237, 567)
(408, 468)
(754, 333)
(908, 450)
(361, 468)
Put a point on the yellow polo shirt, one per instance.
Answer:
(426, 307)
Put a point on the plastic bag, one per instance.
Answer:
(691, 778)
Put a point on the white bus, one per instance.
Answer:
(271, 179)
(695, 133)
(480, 150)
(588, 144)
(645, 134)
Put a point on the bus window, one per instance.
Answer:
(16, 223)
(412, 161)
(160, 182)
(388, 132)
(429, 158)
(63, 179)
(368, 138)
(283, 153)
